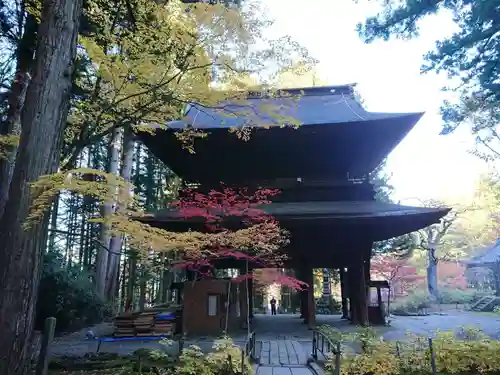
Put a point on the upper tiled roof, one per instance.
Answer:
(337, 137)
(306, 106)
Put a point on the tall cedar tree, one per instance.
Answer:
(43, 119)
(471, 55)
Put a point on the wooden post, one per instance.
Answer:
(343, 293)
(300, 274)
(42, 366)
(361, 294)
(357, 292)
(311, 305)
(367, 274)
(250, 292)
(433, 357)
(352, 294)
(379, 297)
(303, 305)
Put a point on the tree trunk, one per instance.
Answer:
(43, 119)
(53, 223)
(16, 99)
(107, 209)
(142, 290)
(432, 279)
(132, 280)
(115, 246)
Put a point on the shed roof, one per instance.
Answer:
(490, 256)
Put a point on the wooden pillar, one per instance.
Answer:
(359, 275)
(379, 297)
(246, 300)
(351, 294)
(250, 294)
(311, 305)
(300, 274)
(343, 294)
(303, 305)
(367, 274)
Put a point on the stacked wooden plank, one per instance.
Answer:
(144, 323)
(134, 324)
(164, 324)
(152, 322)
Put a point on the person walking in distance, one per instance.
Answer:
(273, 306)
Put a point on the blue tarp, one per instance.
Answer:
(133, 338)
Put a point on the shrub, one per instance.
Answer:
(224, 360)
(412, 304)
(417, 301)
(448, 295)
(68, 294)
(473, 353)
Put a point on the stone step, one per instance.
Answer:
(483, 303)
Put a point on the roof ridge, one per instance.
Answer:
(308, 91)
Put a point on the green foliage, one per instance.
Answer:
(417, 301)
(333, 335)
(413, 303)
(148, 360)
(134, 76)
(449, 295)
(365, 336)
(7, 143)
(90, 364)
(469, 352)
(224, 360)
(470, 55)
(67, 293)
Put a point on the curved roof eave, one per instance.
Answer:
(305, 106)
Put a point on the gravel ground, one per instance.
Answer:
(288, 327)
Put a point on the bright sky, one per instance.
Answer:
(425, 165)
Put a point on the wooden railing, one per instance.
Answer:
(321, 343)
(249, 348)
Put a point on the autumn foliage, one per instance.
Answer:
(228, 211)
(401, 276)
(452, 275)
(269, 276)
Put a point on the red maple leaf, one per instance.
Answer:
(215, 208)
(401, 276)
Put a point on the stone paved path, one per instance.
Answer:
(282, 357)
(282, 353)
(273, 370)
